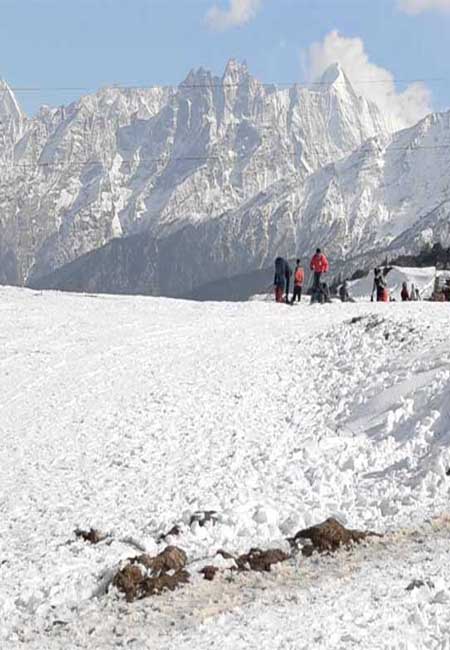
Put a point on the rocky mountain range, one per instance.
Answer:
(165, 190)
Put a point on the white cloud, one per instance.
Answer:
(404, 108)
(238, 13)
(418, 6)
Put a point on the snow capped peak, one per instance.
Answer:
(334, 73)
(235, 71)
(335, 77)
(12, 119)
(8, 102)
(198, 77)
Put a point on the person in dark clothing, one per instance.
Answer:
(405, 293)
(282, 279)
(299, 277)
(379, 285)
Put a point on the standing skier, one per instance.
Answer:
(299, 278)
(282, 279)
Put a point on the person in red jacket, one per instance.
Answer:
(319, 264)
(299, 278)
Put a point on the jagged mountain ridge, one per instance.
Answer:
(390, 196)
(124, 161)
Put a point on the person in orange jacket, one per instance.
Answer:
(299, 278)
(319, 264)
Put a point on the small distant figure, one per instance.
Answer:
(344, 293)
(418, 294)
(379, 286)
(412, 293)
(319, 264)
(282, 279)
(299, 278)
(404, 294)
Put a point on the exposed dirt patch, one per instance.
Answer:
(329, 536)
(171, 558)
(147, 576)
(209, 572)
(258, 560)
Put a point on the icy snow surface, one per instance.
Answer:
(129, 414)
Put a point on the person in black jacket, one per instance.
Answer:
(282, 279)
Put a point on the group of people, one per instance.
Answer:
(320, 291)
(319, 264)
(409, 294)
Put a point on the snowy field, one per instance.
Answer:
(130, 414)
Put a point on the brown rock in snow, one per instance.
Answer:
(258, 560)
(209, 572)
(166, 574)
(331, 535)
(171, 558)
(129, 580)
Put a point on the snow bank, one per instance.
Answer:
(422, 278)
(130, 414)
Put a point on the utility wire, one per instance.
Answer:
(231, 159)
(182, 86)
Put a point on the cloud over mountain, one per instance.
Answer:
(377, 84)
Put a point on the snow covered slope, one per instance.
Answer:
(129, 414)
(124, 160)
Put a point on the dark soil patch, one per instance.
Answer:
(166, 573)
(209, 572)
(258, 560)
(330, 536)
(171, 558)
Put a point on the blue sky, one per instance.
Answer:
(91, 43)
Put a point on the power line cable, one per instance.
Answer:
(182, 86)
(231, 159)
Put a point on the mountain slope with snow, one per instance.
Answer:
(130, 414)
(388, 197)
(122, 160)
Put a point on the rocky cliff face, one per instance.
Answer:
(126, 161)
(389, 196)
